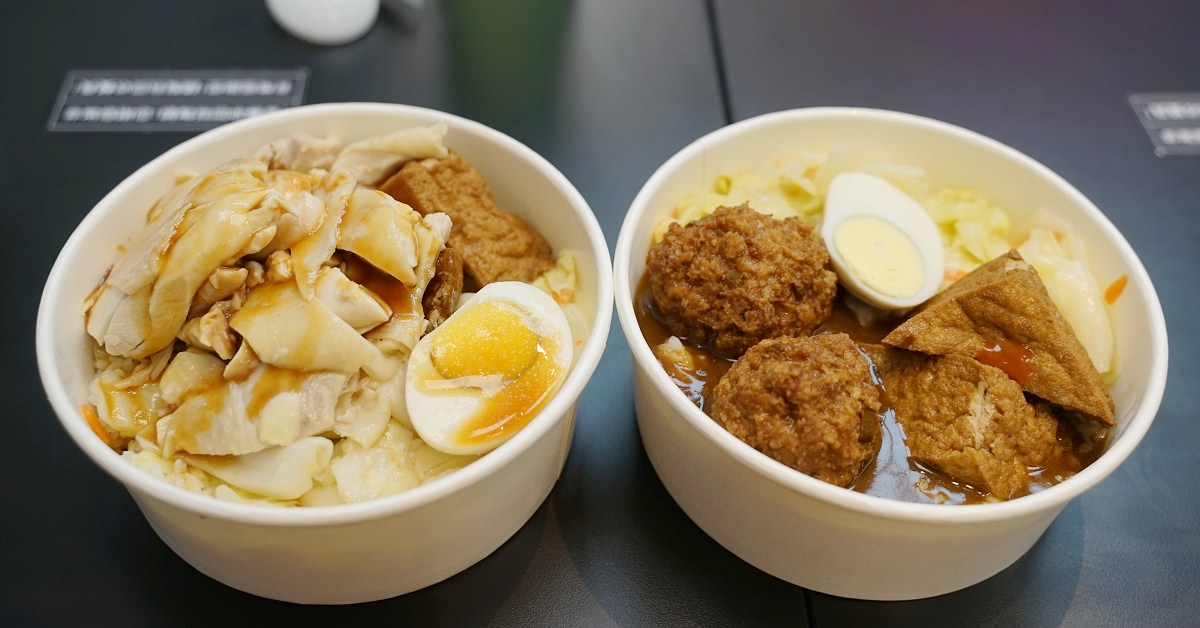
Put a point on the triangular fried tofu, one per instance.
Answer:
(967, 420)
(1001, 314)
(495, 245)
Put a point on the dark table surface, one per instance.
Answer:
(607, 90)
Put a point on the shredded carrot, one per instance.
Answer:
(1114, 290)
(954, 274)
(93, 421)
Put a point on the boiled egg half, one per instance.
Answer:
(884, 246)
(484, 373)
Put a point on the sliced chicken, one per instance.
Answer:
(354, 304)
(244, 362)
(141, 262)
(278, 473)
(211, 331)
(400, 334)
(145, 301)
(119, 321)
(391, 236)
(127, 410)
(407, 322)
(301, 211)
(365, 473)
(221, 284)
(312, 251)
(300, 152)
(190, 372)
(287, 331)
(279, 267)
(270, 407)
(366, 406)
(372, 160)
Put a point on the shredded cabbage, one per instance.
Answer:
(791, 185)
(397, 462)
(783, 188)
(973, 230)
(561, 280)
(1074, 289)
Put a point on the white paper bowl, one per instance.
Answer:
(818, 535)
(357, 552)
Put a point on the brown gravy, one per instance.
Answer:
(890, 473)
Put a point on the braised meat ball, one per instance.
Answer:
(807, 402)
(736, 277)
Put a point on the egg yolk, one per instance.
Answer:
(882, 256)
(489, 339)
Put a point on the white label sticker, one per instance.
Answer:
(171, 100)
(1171, 119)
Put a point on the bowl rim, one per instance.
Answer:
(925, 513)
(560, 406)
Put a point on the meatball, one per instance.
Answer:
(736, 277)
(810, 403)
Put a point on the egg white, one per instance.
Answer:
(855, 194)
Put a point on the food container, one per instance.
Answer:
(820, 536)
(355, 552)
